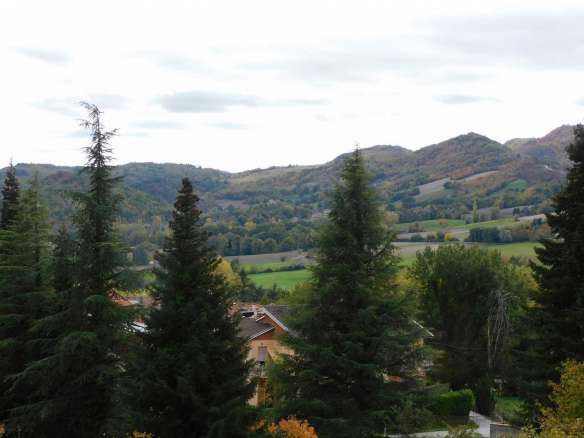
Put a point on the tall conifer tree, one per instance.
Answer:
(9, 198)
(354, 342)
(72, 389)
(558, 318)
(24, 290)
(192, 377)
(64, 261)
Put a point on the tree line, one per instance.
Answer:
(370, 344)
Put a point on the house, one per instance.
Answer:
(261, 325)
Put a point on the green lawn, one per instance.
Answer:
(284, 279)
(510, 408)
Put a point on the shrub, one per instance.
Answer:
(565, 418)
(415, 228)
(463, 432)
(451, 238)
(416, 238)
(454, 403)
(285, 428)
(411, 418)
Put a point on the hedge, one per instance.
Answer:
(454, 403)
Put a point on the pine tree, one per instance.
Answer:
(354, 342)
(72, 389)
(558, 318)
(24, 291)
(9, 198)
(192, 374)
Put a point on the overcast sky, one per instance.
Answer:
(243, 84)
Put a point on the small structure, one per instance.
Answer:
(261, 325)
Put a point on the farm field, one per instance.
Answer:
(488, 224)
(290, 256)
(431, 225)
(256, 268)
(283, 279)
(407, 251)
(519, 249)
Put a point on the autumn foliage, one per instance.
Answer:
(287, 428)
(565, 419)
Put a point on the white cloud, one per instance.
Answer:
(45, 55)
(237, 85)
(456, 99)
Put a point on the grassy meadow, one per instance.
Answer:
(407, 252)
(283, 279)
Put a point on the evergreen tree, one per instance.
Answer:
(354, 341)
(9, 198)
(192, 374)
(64, 261)
(24, 291)
(72, 389)
(558, 318)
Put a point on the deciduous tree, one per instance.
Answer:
(470, 297)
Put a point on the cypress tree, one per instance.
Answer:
(9, 198)
(558, 318)
(73, 388)
(355, 345)
(191, 376)
(24, 291)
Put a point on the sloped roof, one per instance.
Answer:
(280, 312)
(250, 328)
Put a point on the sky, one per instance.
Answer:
(238, 85)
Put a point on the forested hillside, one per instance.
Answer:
(280, 208)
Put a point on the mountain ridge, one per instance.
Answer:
(279, 207)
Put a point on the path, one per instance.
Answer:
(483, 423)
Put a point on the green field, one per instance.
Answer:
(283, 279)
(488, 224)
(519, 249)
(452, 224)
(431, 225)
(274, 266)
(288, 279)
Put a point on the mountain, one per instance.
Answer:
(549, 149)
(279, 208)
